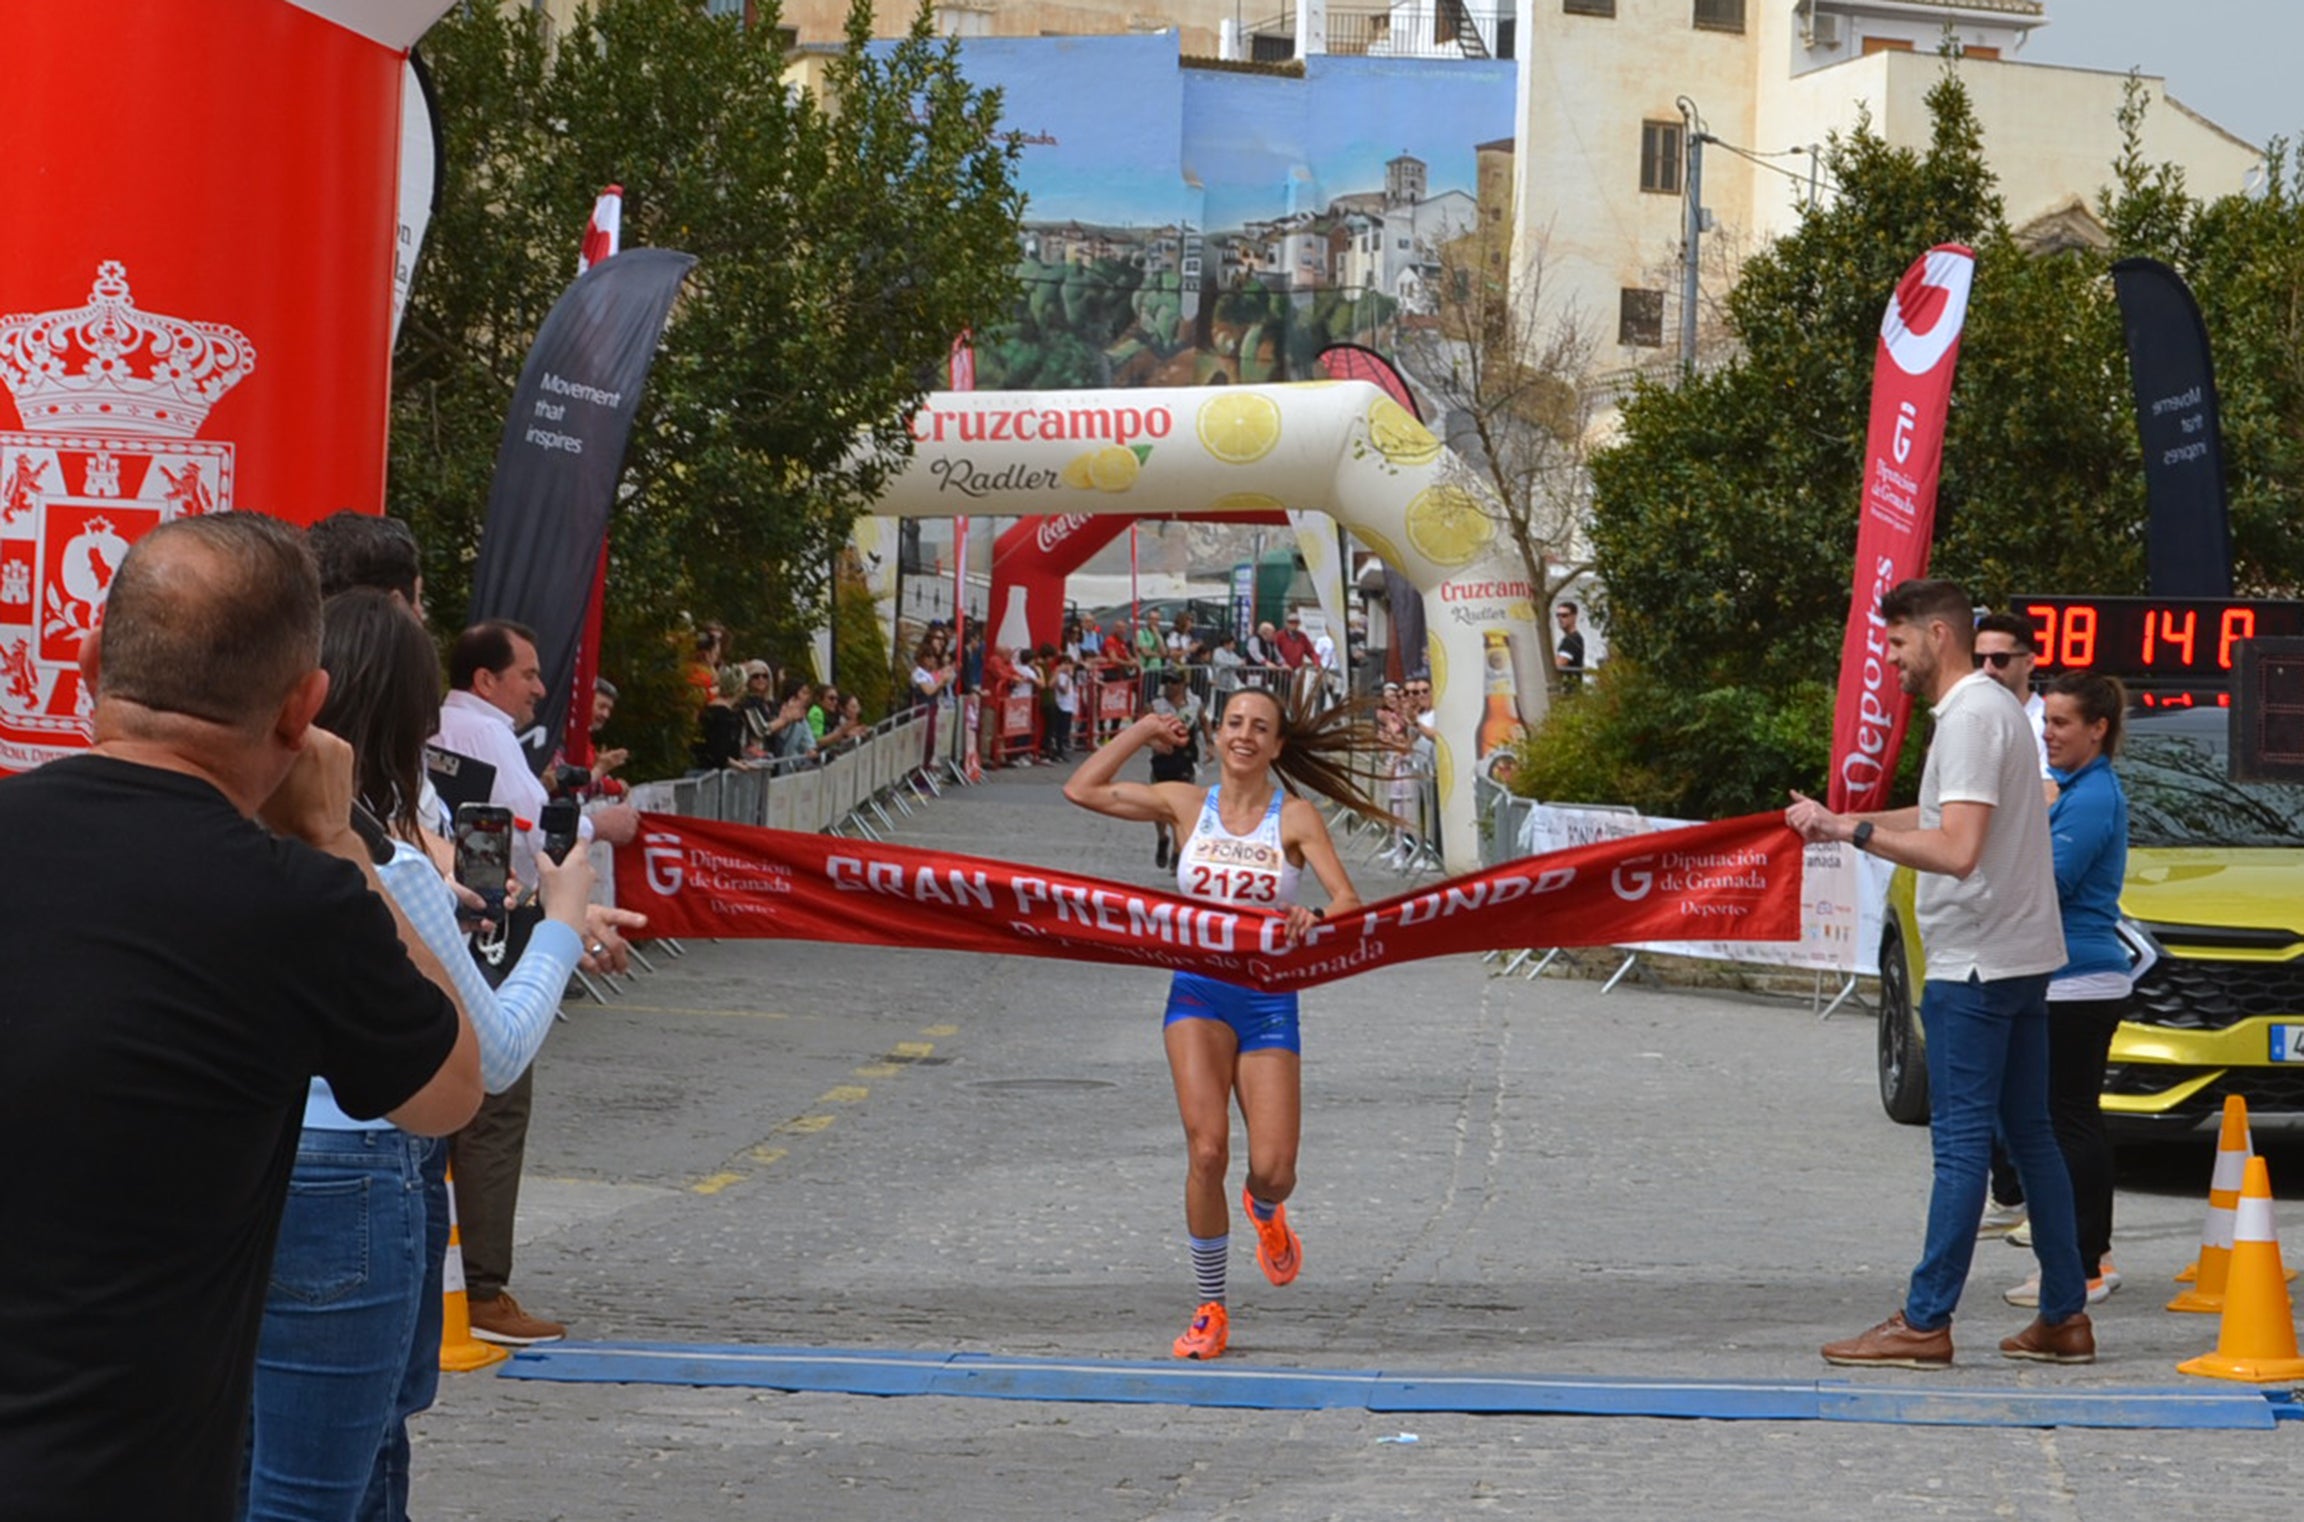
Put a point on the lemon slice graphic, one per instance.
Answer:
(1077, 472)
(1114, 469)
(1247, 502)
(1397, 435)
(1385, 549)
(1447, 526)
(1239, 428)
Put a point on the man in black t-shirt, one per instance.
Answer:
(1568, 644)
(177, 973)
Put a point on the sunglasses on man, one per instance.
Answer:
(1998, 659)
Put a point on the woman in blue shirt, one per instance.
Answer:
(2088, 825)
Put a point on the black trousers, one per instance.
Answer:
(489, 1153)
(2079, 1044)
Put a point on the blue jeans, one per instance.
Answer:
(387, 1498)
(1987, 1066)
(339, 1318)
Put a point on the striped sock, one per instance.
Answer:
(1209, 1255)
(1263, 1210)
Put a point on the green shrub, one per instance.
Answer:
(1633, 739)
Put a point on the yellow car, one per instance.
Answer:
(2213, 908)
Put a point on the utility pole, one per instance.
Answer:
(1692, 237)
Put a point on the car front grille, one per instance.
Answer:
(2182, 993)
(2268, 1090)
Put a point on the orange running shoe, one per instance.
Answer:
(1210, 1330)
(1279, 1251)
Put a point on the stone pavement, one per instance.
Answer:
(790, 1144)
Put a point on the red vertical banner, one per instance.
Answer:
(603, 239)
(196, 302)
(1903, 455)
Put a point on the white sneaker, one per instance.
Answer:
(2019, 1235)
(2100, 1289)
(1999, 1218)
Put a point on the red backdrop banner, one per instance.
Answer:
(195, 302)
(1903, 452)
(1737, 880)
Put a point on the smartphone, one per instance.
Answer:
(484, 851)
(560, 832)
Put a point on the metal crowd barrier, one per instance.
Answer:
(851, 787)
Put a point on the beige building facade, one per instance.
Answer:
(1610, 90)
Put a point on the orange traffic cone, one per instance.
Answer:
(2233, 1148)
(2256, 1341)
(2190, 1272)
(460, 1351)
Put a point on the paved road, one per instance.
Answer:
(829, 1146)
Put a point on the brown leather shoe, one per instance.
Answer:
(1894, 1345)
(502, 1321)
(2072, 1340)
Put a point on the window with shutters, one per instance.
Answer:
(1660, 153)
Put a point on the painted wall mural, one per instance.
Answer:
(1190, 225)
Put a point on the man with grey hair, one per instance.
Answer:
(188, 918)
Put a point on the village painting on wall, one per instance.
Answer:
(1191, 224)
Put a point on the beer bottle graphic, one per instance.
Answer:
(1501, 724)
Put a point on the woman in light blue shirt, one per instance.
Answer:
(348, 1308)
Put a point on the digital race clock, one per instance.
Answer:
(2178, 639)
(2174, 652)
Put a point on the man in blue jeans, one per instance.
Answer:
(1989, 923)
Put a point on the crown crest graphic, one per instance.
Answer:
(108, 367)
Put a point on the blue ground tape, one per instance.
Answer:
(1172, 1384)
(858, 1371)
(1719, 1400)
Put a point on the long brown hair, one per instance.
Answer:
(383, 698)
(1322, 749)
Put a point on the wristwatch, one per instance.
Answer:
(1861, 836)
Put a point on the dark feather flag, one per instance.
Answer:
(2188, 549)
(563, 451)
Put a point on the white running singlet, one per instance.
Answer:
(1238, 871)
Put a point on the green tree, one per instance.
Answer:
(842, 245)
(2243, 256)
(1724, 519)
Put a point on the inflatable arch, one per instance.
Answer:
(1342, 448)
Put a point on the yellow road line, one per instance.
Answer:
(764, 1154)
(716, 1183)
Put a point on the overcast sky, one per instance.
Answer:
(2233, 61)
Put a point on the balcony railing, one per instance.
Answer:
(1427, 29)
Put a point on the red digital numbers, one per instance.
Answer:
(2238, 624)
(2064, 636)
(2161, 627)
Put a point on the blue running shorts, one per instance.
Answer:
(1264, 1022)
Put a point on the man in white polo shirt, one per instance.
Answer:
(1990, 926)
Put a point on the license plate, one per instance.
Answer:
(2288, 1043)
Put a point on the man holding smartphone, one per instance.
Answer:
(178, 974)
(496, 680)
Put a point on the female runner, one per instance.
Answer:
(1245, 842)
